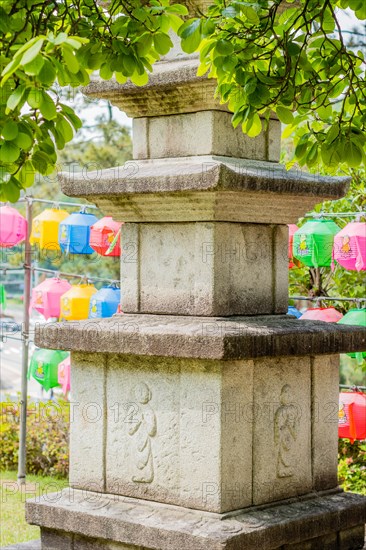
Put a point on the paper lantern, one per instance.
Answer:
(313, 243)
(45, 228)
(292, 262)
(102, 235)
(292, 310)
(355, 317)
(2, 297)
(46, 296)
(74, 233)
(349, 248)
(64, 374)
(352, 415)
(327, 314)
(44, 366)
(105, 302)
(13, 227)
(76, 301)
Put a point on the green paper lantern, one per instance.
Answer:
(355, 317)
(313, 243)
(2, 298)
(44, 367)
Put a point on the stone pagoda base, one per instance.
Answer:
(82, 520)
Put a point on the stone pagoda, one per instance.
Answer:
(203, 417)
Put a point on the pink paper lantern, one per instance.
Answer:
(46, 296)
(349, 248)
(64, 374)
(327, 314)
(102, 234)
(13, 227)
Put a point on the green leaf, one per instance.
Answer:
(24, 141)
(256, 126)
(293, 48)
(144, 45)
(162, 43)
(189, 28)
(177, 8)
(27, 174)
(9, 152)
(64, 128)
(12, 189)
(34, 66)
(15, 98)
(224, 47)
(285, 115)
(34, 98)
(73, 118)
(47, 106)
(32, 52)
(251, 15)
(353, 154)
(47, 74)
(140, 80)
(106, 72)
(10, 130)
(71, 62)
(40, 162)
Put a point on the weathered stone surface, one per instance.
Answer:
(87, 459)
(202, 133)
(59, 540)
(282, 433)
(53, 540)
(352, 539)
(325, 398)
(204, 269)
(173, 88)
(204, 188)
(201, 337)
(160, 414)
(161, 527)
(329, 542)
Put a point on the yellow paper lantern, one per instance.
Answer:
(74, 304)
(45, 228)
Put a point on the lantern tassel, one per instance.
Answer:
(113, 243)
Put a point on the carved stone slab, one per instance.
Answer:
(203, 188)
(202, 337)
(161, 527)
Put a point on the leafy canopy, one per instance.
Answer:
(285, 56)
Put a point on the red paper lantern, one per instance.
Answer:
(292, 262)
(13, 227)
(102, 234)
(352, 415)
(327, 314)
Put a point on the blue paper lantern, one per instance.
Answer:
(293, 311)
(74, 233)
(105, 302)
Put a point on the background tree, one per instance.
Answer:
(269, 55)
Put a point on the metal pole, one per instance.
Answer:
(25, 348)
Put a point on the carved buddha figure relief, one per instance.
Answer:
(142, 431)
(286, 423)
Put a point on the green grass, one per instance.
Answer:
(14, 528)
